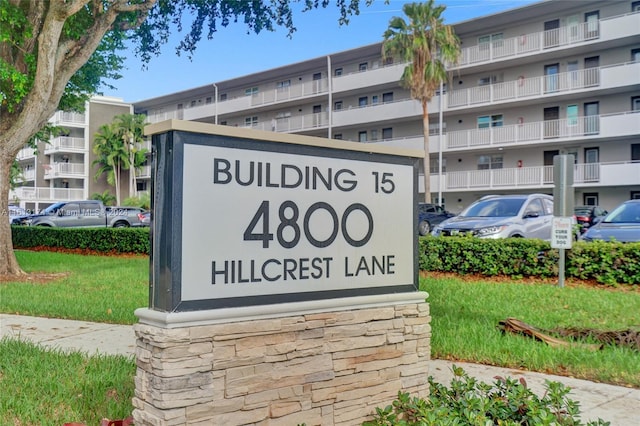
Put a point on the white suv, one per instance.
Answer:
(503, 216)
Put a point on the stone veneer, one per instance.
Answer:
(317, 368)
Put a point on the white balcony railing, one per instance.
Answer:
(64, 117)
(26, 193)
(294, 91)
(26, 153)
(524, 87)
(527, 132)
(66, 144)
(144, 172)
(529, 43)
(56, 170)
(535, 177)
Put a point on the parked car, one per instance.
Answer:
(622, 224)
(133, 216)
(430, 215)
(586, 216)
(146, 218)
(502, 216)
(16, 212)
(85, 213)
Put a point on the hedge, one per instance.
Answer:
(106, 240)
(605, 262)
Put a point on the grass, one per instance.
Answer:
(50, 387)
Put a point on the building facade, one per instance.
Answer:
(63, 169)
(553, 77)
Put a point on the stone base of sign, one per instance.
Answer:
(329, 362)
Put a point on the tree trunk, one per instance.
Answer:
(426, 160)
(9, 265)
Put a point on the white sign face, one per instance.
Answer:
(561, 233)
(259, 222)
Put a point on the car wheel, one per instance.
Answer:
(424, 228)
(121, 225)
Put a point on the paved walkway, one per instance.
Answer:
(616, 404)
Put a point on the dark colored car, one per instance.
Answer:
(622, 224)
(503, 216)
(587, 216)
(429, 215)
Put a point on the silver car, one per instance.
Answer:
(503, 216)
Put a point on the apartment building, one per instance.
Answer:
(62, 168)
(553, 77)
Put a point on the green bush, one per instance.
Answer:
(604, 262)
(106, 240)
(469, 402)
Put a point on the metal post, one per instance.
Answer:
(561, 268)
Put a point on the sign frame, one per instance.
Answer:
(168, 167)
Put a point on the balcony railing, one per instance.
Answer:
(144, 172)
(294, 91)
(64, 117)
(26, 193)
(56, 170)
(26, 176)
(26, 153)
(523, 177)
(66, 144)
(526, 132)
(294, 123)
(524, 87)
(529, 43)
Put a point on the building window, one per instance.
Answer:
(362, 136)
(635, 6)
(486, 162)
(387, 133)
(317, 76)
(223, 97)
(486, 80)
(374, 100)
(337, 136)
(337, 105)
(635, 103)
(433, 166)
(251, 91)
(635, 55)
(283, 84)
(388, 60)
(387, 97)
(337, 72)
(591, 19)
(193, 103)
(374, 135)
(635, 152)
(251, 121)
(223, 123)
(572, 115)
(363, 101)
(207, 100)
(363, 66)
(590, 198)
(635, 195)
(487, 121)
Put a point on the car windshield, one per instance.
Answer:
(495, 208)
(626, 213)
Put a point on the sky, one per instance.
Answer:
(234, 53)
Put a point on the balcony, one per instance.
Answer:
(535, 87)
(587, 174)
(567, 36)
(144, 172)
(294, 123)
(65, 144)
(401, 109)
(388, 74)
(294, 91)
(26, 176)
(62, 118)
(27, 193)
(549, 131)
(26, 153)
(64, 170)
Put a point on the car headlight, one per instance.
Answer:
(483, 232)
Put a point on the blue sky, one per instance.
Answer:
(234, 53)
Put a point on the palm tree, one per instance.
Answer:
(130, 127)
(112, 156)
(428, 46)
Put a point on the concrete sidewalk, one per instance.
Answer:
(618, 405)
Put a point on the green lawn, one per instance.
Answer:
(464, 319)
